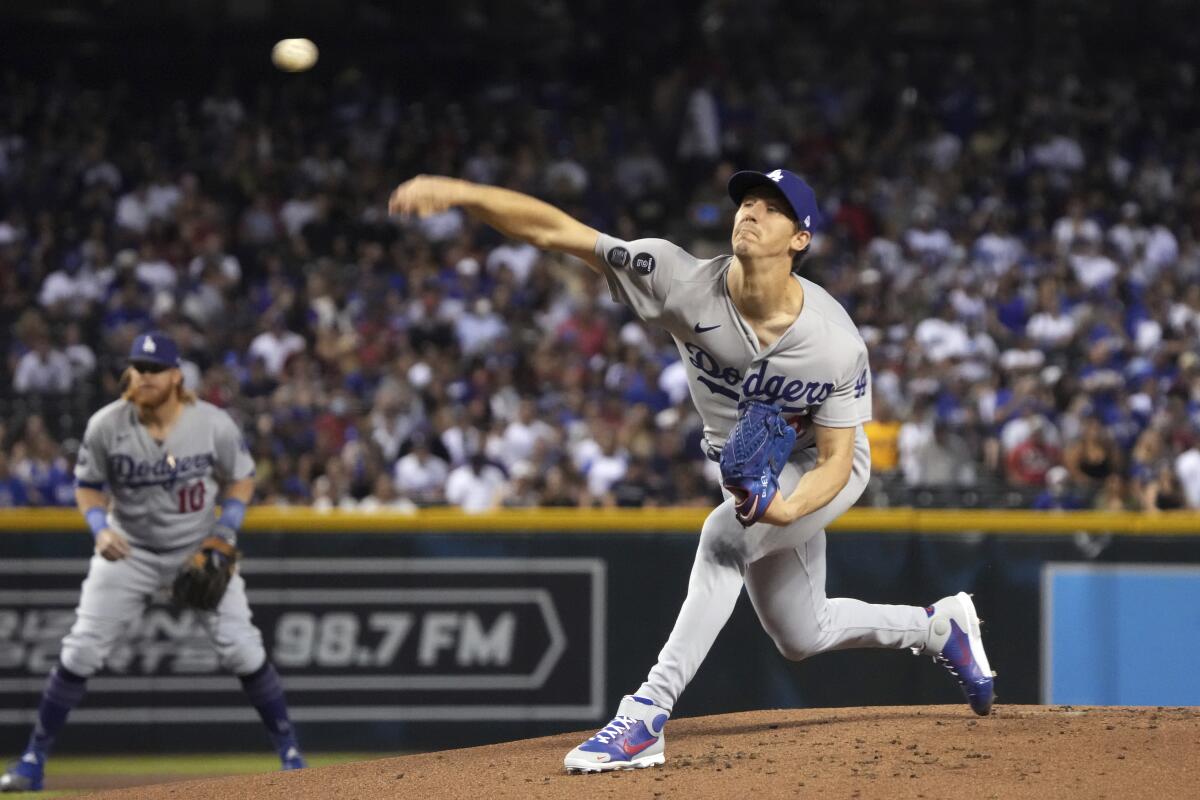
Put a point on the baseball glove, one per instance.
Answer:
(203, 578)
(753, 457)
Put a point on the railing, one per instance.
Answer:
(661, 520)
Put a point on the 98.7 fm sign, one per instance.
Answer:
(443, 639)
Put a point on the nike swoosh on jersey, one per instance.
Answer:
(706, 328)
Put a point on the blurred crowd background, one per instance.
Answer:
(1012, 221)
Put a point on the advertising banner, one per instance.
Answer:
(445, 639)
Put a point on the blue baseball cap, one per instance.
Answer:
(154, 347)
(799, 194)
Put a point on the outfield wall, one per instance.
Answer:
(437, 629)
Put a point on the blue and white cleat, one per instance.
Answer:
(955, 642)
(24, 775)
(633, 740)
(291, 759)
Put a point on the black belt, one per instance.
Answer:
(158, 551)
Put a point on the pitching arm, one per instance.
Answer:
(516, 215)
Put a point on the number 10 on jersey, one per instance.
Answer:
(191, 498)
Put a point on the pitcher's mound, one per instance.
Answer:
(888, 752)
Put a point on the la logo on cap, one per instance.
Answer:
(776, 175)
(148, 345)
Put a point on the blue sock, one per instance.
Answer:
(266, 695)
(64, 690)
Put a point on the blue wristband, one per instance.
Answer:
(97, 520)
(233, 514)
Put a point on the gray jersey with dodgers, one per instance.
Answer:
(163, 493)
(816, 371)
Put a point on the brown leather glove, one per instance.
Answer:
(203, 578)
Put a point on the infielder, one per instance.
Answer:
(162, 456)
(780, 377)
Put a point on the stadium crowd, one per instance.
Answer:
(1019, 248)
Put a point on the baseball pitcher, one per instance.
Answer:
(780, 377)
(147, 480)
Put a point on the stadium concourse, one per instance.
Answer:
(1014, 227)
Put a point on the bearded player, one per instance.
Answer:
(779, 375)
(147, 480)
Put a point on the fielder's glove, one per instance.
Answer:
(203, 578)
(753, 457)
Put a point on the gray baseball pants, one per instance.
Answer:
(115, 593)
(783, 570)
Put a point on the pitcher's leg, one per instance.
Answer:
(788, 592)
(713, 589)
(634, 738)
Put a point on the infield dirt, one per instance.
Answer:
(888, 752)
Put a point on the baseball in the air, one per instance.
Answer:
(294, 55)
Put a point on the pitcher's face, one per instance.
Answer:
(765, 227)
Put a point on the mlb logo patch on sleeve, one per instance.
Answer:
(644, 263)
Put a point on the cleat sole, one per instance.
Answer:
(651, 761)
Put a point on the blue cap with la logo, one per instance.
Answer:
(156, 348)
(794, 189)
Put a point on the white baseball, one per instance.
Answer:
(294, 55)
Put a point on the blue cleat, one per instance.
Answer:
(955, 642)
(291, 759)
(633, 740)
(25, 775)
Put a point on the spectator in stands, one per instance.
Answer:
(332, 489)
(912, 441)
(1075, 228)
(1060, 493)
(477, 485)
(1187, 469)
(1028, 463)
(1146, 460)
(932, 453)
(523, 435)
(72, 290)
(883, 433)
(384, 497)
(1162, 492)
(421, 476)
(1114, 495)
(633, 489)
(13, 493)
(1051, 327)
(559, 487)
(607, 466)
(1005, 267)
(1093, 456)
(44, 369)
(276, 344)
(79, 354)
(478, 327)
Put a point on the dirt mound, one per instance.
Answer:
(892, 752)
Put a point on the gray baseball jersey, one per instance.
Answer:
(163, 493)
(817, 370)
